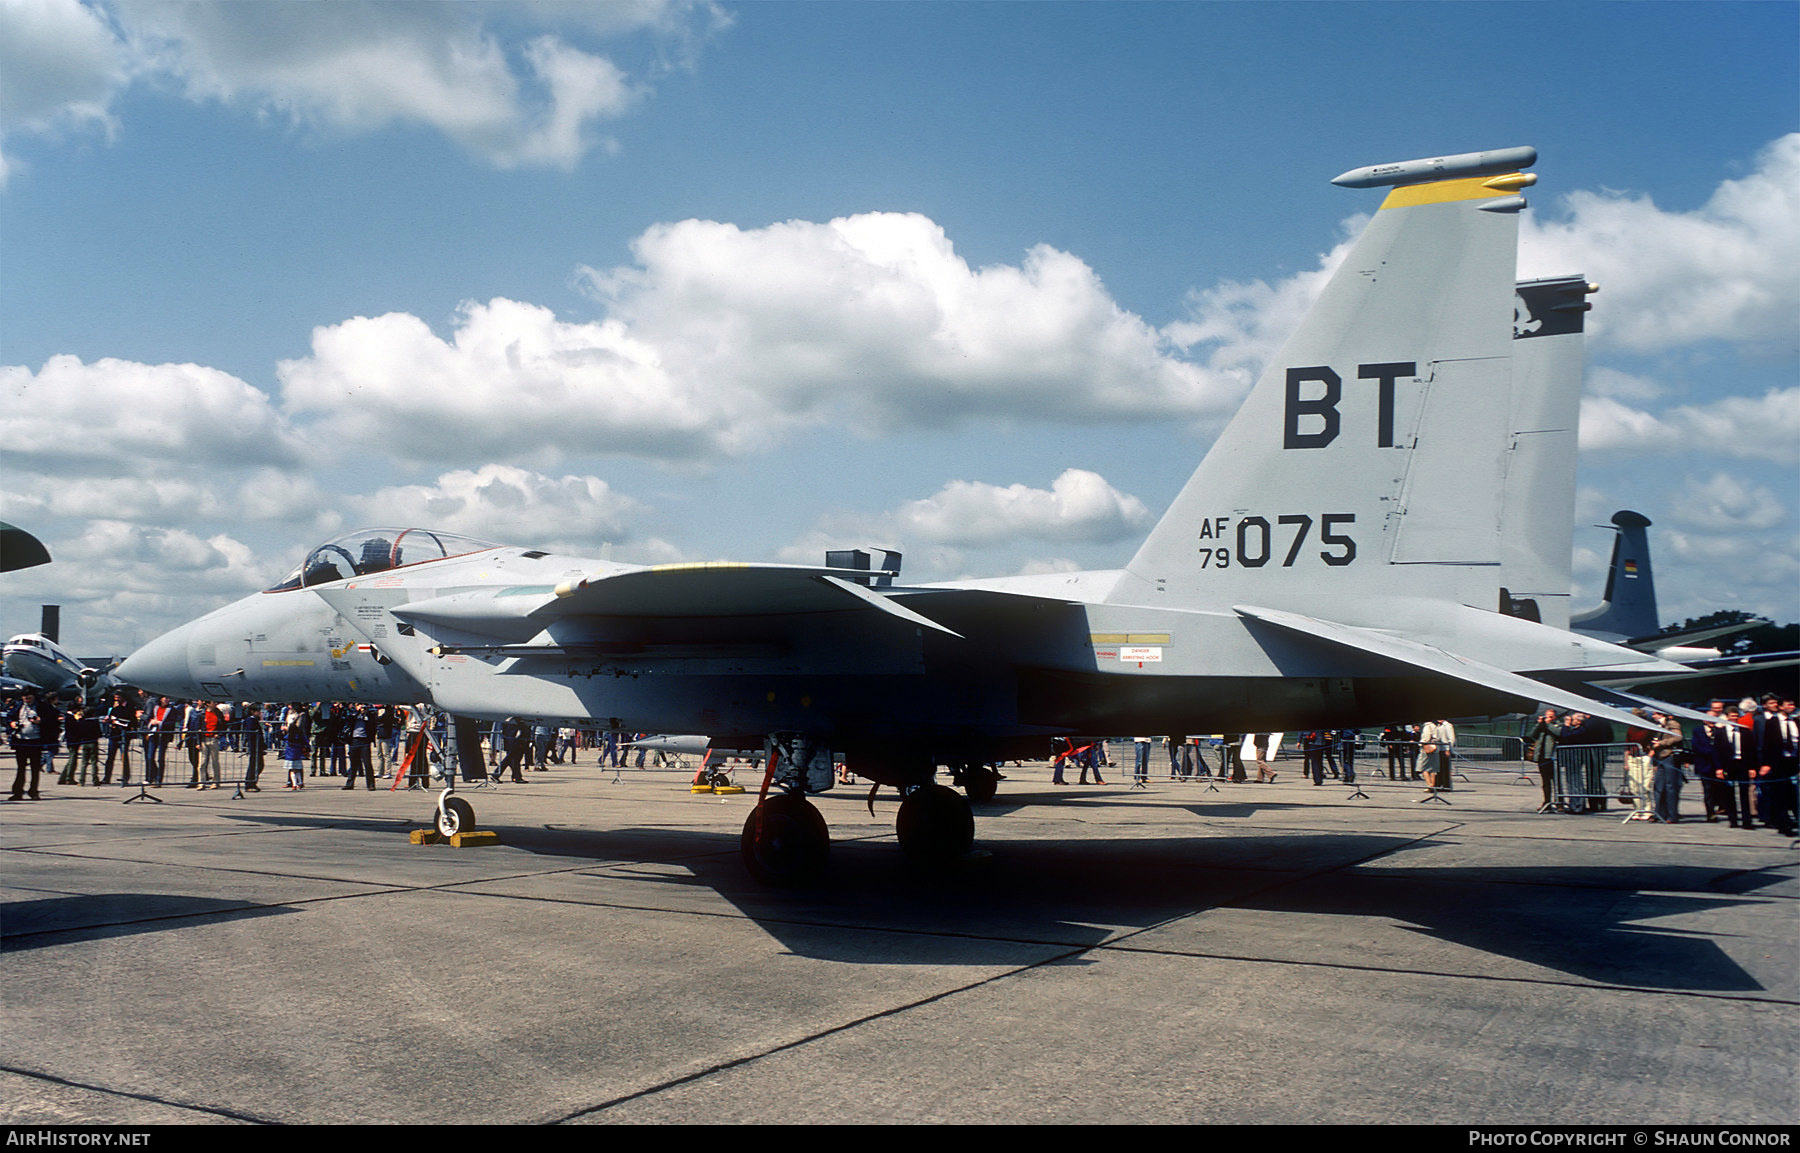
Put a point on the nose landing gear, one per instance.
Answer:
(455, 815)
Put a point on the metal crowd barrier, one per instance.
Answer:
(1473, 753)
(152, 759)
(1587, 777)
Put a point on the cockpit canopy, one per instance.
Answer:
(374, 550)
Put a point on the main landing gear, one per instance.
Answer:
(935, 826)
(979, 781)
(785, 841)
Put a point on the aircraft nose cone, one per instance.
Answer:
(160, 666)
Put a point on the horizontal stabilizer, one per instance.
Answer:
(1700, 677)
(1656, 642)
(1436, 660)
(1637, 701)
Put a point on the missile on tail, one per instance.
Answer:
(1494, 161)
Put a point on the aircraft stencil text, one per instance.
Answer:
(1257, 543)
(1313, 394)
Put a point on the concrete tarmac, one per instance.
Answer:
(1250, 954)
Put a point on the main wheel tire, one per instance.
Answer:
(785, 841)
(935, 826)
(455, 816)
(980, 782)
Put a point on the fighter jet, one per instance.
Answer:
(1337, 560)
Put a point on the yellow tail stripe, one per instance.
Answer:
(1444, 191)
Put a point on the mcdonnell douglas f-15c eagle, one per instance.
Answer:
(1338, 559)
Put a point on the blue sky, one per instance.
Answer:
(684, 281)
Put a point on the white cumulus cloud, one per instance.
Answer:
(722, 340)
(1752, 428)
(510, 505)
(514, 84)
(1727, 503)
(60, 68)
(112, 410)
(1238, 326)
(1729, 270)
(877, 317)
(1079, 506)
(357, 67)
(133, 581)
(512, 381)
(1003, 523)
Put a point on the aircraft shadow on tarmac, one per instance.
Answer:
(102, 916)
(1109, 795)
(1592, 923)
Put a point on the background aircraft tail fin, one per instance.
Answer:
(1370, 457)
(1628, 608)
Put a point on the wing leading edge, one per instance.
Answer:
(712, 590)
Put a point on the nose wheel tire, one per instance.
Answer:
(785, 841)
(455, 816)
(935, 826)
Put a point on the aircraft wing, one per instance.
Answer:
(1436, 660)
(713, 589)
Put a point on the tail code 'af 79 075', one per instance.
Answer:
(1354, 550)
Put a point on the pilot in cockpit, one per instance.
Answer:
(377, 556)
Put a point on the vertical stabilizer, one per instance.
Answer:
(1537, 515)
(1369, 459)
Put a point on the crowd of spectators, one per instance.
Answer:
(325, 741)
(1744, 758)
(1744, 761)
